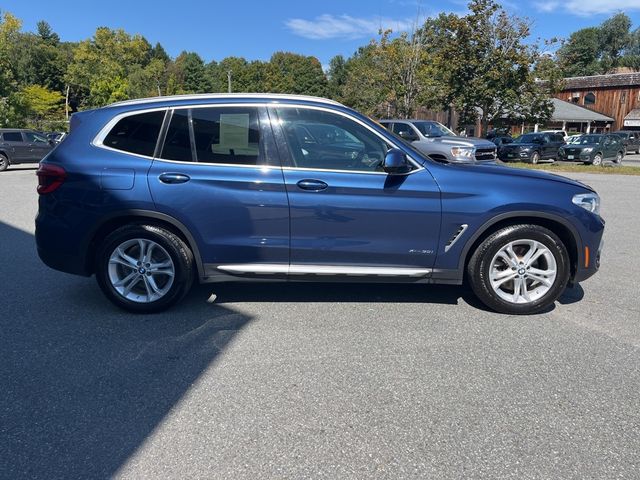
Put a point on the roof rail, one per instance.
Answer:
(213, 96)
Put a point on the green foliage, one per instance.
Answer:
(41, 105)
(602, 49)
(484, 66)
(292, 73)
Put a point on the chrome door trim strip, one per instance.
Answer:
(272, 269)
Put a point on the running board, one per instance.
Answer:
(274, 269)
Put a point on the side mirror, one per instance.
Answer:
(407, 135)
(395, 162)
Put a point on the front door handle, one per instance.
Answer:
(173, 178)
(312, 185)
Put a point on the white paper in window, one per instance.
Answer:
(234, 130)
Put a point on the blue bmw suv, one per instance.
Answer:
(151, 195)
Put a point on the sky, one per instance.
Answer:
(255, 29)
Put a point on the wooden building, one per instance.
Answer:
(615, 95)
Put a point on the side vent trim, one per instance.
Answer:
(454, 238)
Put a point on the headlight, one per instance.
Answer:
(587, 150)
(525, 149)
(588, 201)
(464, 152)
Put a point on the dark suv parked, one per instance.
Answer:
(151, 195)
(532, 147)
(22, 146)
(631, 140)
(593, 149)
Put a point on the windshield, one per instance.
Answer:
(433, 129)
(587, 139)
(528, 138)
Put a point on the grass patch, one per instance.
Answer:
(608, 168)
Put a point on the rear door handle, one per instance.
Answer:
(312, 185)
(172, 178)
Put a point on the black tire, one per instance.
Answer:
(618, 159)
(180, 255)
(597, 160)
(479, 268)
(4, 162)
(535, 158)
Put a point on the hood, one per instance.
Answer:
(521, 145)
(500, 169)
(466, 142)
(581, 146)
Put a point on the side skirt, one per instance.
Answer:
(327, 273)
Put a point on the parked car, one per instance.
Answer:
(150, 195)
(630, 139)
(440, 143)
(21, 146)
(501, 141)
(532, 148)
(594, 149)
(564, 134)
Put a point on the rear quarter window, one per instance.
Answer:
(136, 133)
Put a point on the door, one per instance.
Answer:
(346, 211)
(16, 145)
(38, 146)
(216, 174)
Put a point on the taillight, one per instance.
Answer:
(50, 177)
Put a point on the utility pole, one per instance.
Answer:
(66, 104)
(229, 80)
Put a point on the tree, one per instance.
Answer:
(484, 65)
(101, 66)
(614, 39)
(292, 73)
(338, 76)
(580, 55)
(42, 105)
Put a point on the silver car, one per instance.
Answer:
(440, 143)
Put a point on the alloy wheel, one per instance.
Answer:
(523, 271)
(141, 270)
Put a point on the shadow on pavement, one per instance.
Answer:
(83, 384)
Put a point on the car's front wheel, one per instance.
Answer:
(520, 269)
(144, 268)
(597, 160)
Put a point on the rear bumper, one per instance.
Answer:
(58, 249)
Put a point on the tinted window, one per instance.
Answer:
(349, 147)
(558, 137)
(433, 129)
(177, 143)
(529, 138)
(12, 136)
(136, 133)
(35, 138)
(226, 135)
(403, 127)
(229, 135)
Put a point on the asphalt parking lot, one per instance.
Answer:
(318, 381)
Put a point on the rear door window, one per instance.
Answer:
(219, 135)
(136, 133)
(12, 136)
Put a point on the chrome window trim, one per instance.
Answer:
(98, 140)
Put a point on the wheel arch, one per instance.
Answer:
(558, 225)
(6, 155)
(133, 217)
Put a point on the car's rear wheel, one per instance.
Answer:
(519, 269)
(144, 268)
(4, 162)
(618, 159)
(597, 160)
(535, 158)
